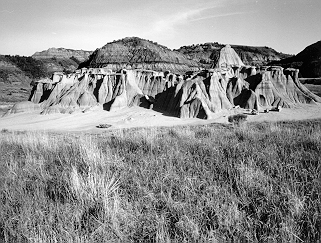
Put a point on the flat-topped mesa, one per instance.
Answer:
(59, 53)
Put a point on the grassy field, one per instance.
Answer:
(215, 183)
(314, 88)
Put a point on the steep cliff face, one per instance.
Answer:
(208, 54)
(63, 53)
(307, 61)
(134, 52)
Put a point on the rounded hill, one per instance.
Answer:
(134, 52)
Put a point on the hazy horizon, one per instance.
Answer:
(36, 25)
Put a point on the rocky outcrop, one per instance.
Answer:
(200, 95)
(137, 53)
(307, 61)
(193, 95)
(61, 59)
(62, 53)
(80, 91)
(228, 57)
(208, 54)
(275, 86)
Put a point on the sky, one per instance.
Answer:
(28, 26)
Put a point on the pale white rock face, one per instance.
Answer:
(199, 95)
(228, 57)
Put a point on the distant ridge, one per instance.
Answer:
(208, 54)
(79, 55)
(307, 61)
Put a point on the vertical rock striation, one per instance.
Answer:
(193, 95)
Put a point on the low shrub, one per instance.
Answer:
(103, 126)
(237, 119)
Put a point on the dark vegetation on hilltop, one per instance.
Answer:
(307, 61)
(66, 65)
(17, 73)
(133, 50)
(135, 41)
(138, 52)
(184, 184)
(36, 68)
(32, 68)
(208, 53)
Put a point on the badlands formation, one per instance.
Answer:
(137, 53)
(208, 53)
(80, 55)
(128, 93)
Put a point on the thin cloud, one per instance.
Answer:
(6, 11)
(169, 23)
(220, 15)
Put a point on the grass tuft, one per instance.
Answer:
(237, 119)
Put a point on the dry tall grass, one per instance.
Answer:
(253, 183)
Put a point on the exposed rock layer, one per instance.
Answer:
(228, 57)
(62, 53)
(208, 54)
(200, 95)
(137, 53)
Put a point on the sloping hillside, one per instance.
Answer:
(134, 52)
(307, 61)
(16, 74)
(63, 53)
(61, 59)
(208, 54)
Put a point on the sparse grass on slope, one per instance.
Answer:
(314, 88)
(249, 183)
